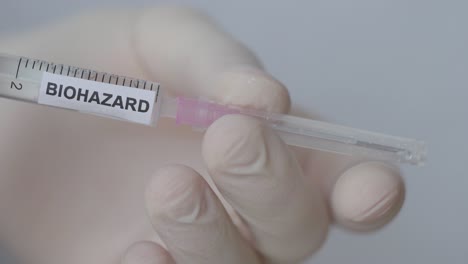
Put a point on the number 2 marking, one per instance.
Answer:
(18, 86)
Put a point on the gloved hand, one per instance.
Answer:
(73, 186)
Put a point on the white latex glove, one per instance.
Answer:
(72, 185)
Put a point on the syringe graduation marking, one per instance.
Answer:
(17, 70)
(157, 93)
(104, 77)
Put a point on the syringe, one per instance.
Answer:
(140, 101)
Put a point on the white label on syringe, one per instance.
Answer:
(105, 99)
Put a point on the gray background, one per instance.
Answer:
(395, 66)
